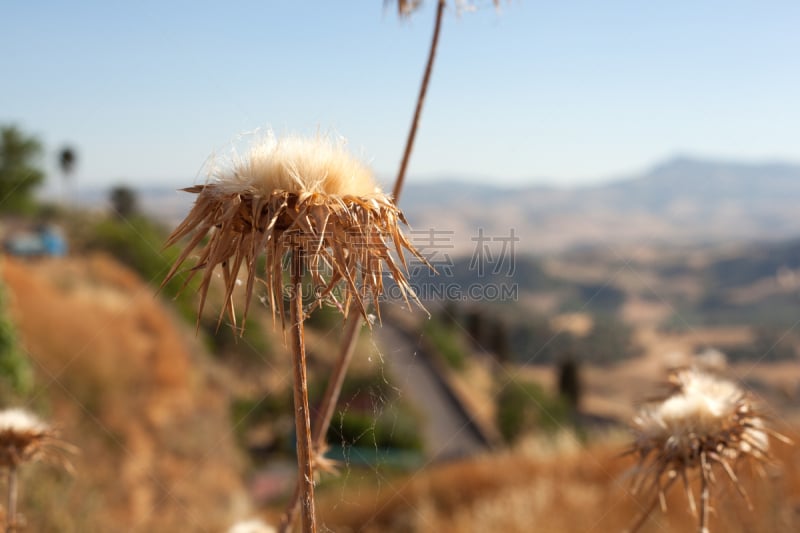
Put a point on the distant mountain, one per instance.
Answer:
(708, 183)
(681, 201)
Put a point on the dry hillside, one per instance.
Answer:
(557, 486)
(134, 391)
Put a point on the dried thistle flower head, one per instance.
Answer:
(24, 438)
(701, 406)
(305, 196)
(704, 421)
(406, 7)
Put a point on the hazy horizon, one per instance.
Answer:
(54, 185)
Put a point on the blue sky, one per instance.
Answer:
(537, 92)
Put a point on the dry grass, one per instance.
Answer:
(555, 488)
(130, 389)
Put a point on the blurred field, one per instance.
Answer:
(555, 486)
(185, 431)
(128, 385)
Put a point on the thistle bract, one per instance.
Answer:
(307, 197)
(24, 438)
(703, 422)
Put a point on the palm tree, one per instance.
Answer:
(67, 158)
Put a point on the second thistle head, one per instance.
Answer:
(704, 417)
(301, 196)
(25, 438)
(704, 423)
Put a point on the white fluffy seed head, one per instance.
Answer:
(18, 420)
(304, 196)
(705, 422)
(703, 412)
(296, 165)
(251, 526)
(24, 437)
(701, 406)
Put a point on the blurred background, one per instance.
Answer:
(607, 191)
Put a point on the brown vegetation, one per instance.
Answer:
(132, 390)
(555, 486)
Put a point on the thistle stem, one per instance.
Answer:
(11, 508)
(398, 185)
(704, 505)
(323, 419)
(301, 418)
(334, 388)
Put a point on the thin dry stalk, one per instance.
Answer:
(11, 508)
(412, 133)
(313, 201)
(334, 388)
(704, 503)
(323, 419)
(302, 421)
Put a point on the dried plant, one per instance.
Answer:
(25, 438)
(307, 197)
(347, 348)
(251, 526)
(703, 422)
(313, 203)
(406, 7)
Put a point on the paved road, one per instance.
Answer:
(449, 433)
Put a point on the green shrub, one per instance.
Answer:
(396, 427)
(524, 407)
(253, 346)
(325, 318)
(448, 343)
(246, 413)
(371, 415)
(15, 368)
(20, 170)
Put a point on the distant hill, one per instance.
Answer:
(681, 201)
